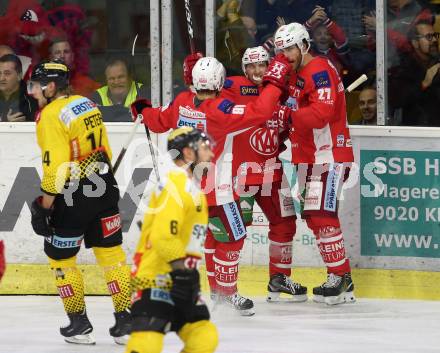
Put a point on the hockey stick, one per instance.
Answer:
(126, 144)
(132, 132)
(190, 26)
(356, 83)
(139, 118)
(153, 156)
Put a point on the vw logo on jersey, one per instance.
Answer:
(264, 141)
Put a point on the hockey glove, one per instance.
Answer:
(186, 286)
(188, 65)
(138, 106)
(278, 72)
(283, 115)
(41, 218)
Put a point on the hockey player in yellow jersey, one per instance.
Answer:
(165, 280)
(79, 201)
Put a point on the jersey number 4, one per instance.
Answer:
(46, 158)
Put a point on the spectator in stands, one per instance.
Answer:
(262, 17)
(368, 106)
(15, 104)
(5, 49)
(232, 37)
(401, 17)
(349, 15)
(328, 38)
(81, 84)
(25, 61)
(414, 86)
(121, 90)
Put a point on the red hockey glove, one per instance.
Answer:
(137, 106)
(278, 72)
(188, 65)
(2, 259)
(283, 117)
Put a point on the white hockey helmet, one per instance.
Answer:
(208, 74)
(291, 34)
(254, 55)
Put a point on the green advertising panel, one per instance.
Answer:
(400, 203)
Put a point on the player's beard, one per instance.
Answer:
(200, 170)
(434, 53)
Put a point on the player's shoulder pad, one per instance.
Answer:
(182, 182)
(229, 82)
(183, 98)
(321, 79)
(172, 181)
(226, 106)
(178, 177)
(50, 112)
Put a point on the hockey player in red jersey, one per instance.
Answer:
(321, 152)
(260, 177)
(222, 119)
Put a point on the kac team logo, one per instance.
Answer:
(264, 141)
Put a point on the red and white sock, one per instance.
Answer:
(332, 249)
(330, 241)
(280, 258)
(226, 259)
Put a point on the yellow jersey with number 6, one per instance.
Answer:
(69, 129)
(174, 228)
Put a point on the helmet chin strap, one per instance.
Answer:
(193, 164)
(304, 50)
(48, 99)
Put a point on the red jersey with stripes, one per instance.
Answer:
(319, 131)
(255, 151)
(222, 120)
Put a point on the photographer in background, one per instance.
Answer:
(15, 104)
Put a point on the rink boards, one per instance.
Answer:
(390, 215)
(369, 283)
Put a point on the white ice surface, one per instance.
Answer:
(29, 324)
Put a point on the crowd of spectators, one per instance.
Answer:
(342, 30)
(345, 32)
(30, 33)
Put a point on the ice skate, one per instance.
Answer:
(79, 330)
(281, 284)
(242, 305)
(122, 328)
(336, 290)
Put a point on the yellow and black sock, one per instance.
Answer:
(117, 275)
(69, 283)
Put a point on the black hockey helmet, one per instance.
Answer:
(183, 137)
(51, 71)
